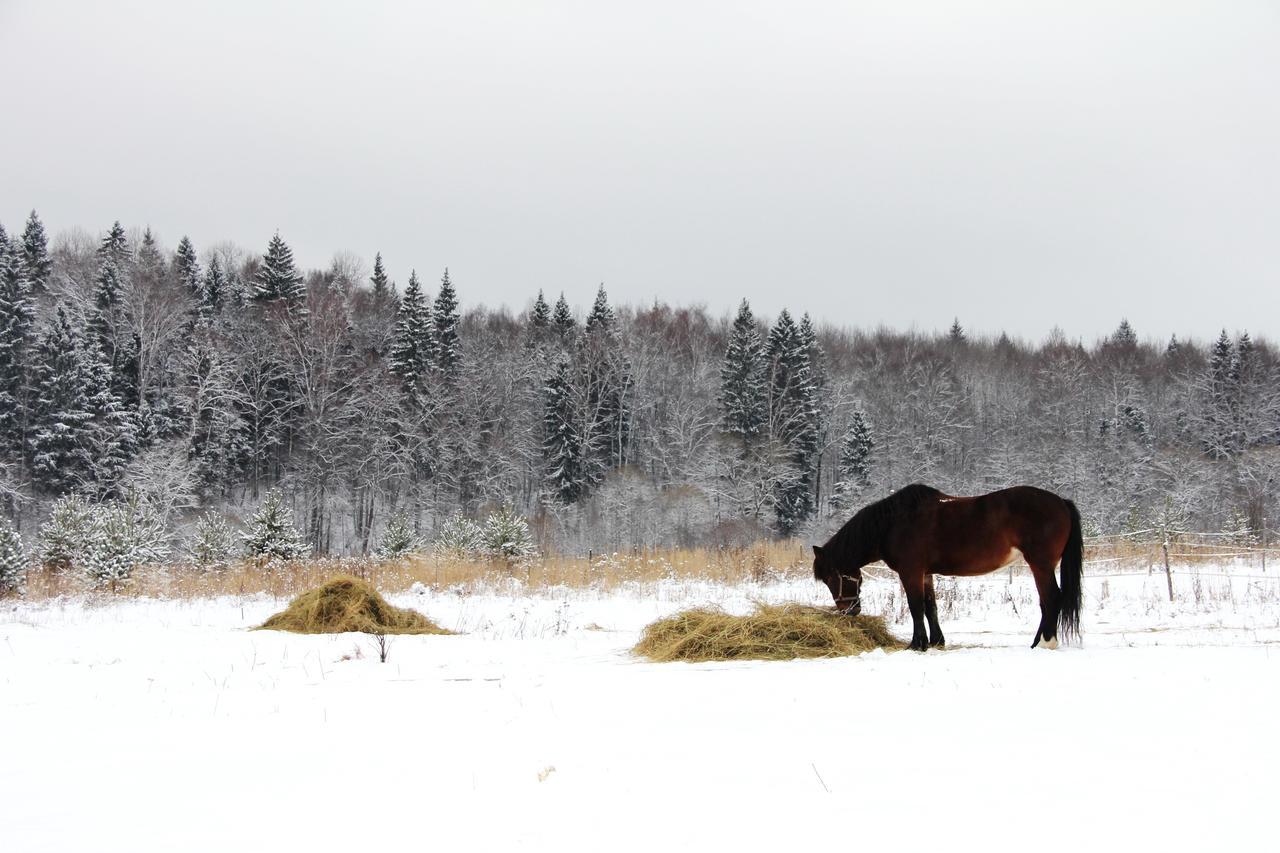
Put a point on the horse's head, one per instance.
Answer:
(845, 584)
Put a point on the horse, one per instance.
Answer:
(920, 532)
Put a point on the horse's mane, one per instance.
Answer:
(869, 523)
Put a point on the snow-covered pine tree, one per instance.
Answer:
(853, 471)
(278, 279)
(506, 534)
(115, 246)
(17, 321)
(956, 334)
(66, 536)
(793, 423)
(381, 285)
(1124, 338)
(61, 429)
(213, 289)
(742, 379)
(540, 316)
(602, 318)
(397, 538)
(35, 254)
(813, 351)
(458, 537)
(562, 442)
(411, 342)
(446, 348)
(1219, 426)
(113, 431)
(150, 262)
(273, 536)
(127, 534)
(562, 318)
(213, 543)
(13, 560)
(186, 266)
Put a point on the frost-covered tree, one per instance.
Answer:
(272, 535)
(114, 248)
(62, 424)
(125, 535)
(956, 333)
(397, 538)
(278, 279)
(17, 321)
(540, 316)
(213, 543)
(411, 342)
(506, 534)
(186, 267)
(13, 560)
(35, 254)
(458, 537)
(562, 318)
(379, 281)
(67, 535)
(853, 471)
(213, 289)
(742, 379)
(446, 346)
(793, 423)
(562, 443)
(602, 316)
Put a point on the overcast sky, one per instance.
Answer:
(1017, 164)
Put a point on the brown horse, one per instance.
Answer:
(919, 532)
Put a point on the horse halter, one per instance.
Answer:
(856, 599)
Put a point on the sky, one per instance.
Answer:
(1017, 165)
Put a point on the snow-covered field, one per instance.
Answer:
(146, 725)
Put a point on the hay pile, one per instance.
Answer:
(348, 604)
(772, 632)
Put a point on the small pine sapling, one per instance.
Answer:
(214, 544)
(506, 535)
(273, 538)
(13, 560)
(398, 538)
(66, 535)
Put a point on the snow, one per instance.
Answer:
(164, 725)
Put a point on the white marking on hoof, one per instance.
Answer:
(1047, 644)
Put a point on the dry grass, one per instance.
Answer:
(772, 632)
(759, 562)
(347, 604)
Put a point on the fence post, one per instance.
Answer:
(1168, 572)
(1264, 544)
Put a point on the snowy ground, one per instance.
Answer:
(165, 725)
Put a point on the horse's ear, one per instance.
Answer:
(817, 550)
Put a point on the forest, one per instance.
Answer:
(196, 381)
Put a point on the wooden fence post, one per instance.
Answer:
(1168, 572)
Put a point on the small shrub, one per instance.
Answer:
(213, 545)
(273, 536)
(459, 537)
(397, 539)
(66, 536)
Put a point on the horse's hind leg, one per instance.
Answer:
(913, 584)
(931, 613)
(1050, 604)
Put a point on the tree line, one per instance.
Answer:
(195, 381)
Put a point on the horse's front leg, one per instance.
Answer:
(913, 586)
(931, 613)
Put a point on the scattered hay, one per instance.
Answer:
(348, 604)
(772, 632)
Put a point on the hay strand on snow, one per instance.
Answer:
(772, 632)
(348, 604)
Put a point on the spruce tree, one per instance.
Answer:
(13, 560)
(956, 335)
(17, 320)
(562, 318)
(62, 445)
(793, 419)
(113, 432)
(411, 341)
(540, 316)
(213, 289)
(381, 285)
(115, 246)
(506, 534)
(562, 442)
(150, 262)
(273, 536)
(742, 379)
(853, 472)
(35, 254)
(446, 348)
(186, 266)
(127, 534)
(213, 545)
(67, 535)
(278, 279)
(602, 317)
(1124, 337)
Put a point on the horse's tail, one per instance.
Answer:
(1070, 569)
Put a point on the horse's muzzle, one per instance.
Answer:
(849, 608)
